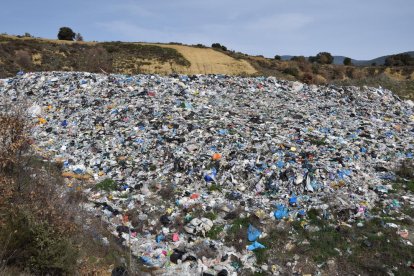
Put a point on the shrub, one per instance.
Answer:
(35, 245)
(293, 71)
(298, 59)
(277, 57)
(23, 59)
(78, 37)
(107, 185)
(324, 58)
(347, 61)
(66, 33)
(96, 59)
(219, 46)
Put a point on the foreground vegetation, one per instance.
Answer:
(43, 229)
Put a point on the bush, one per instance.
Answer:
(95, 59)
(347, 61)
(36, 246)
(66, 33)
(293, 71)
(23, 59)
(298, 59)
(277, 57)
(219, 46)
(322, 58)
(78, 37)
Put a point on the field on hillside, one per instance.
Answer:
(209, 61)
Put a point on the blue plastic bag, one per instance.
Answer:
(281, 212)
(159, 238)
(253, 233)
(255, 245)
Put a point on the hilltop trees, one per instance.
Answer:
(399, 60)
(322, 58)
(66, 33)
(219, 46)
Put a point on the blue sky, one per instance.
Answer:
(361, 29)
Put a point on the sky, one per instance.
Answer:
(360, 29)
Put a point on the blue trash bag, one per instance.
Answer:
(253, 233)
(281, 212)
(159, 238)
(293, 200)
(255, 245)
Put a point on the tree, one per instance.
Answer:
(78, 37)
(277, 57)
(324, 58)
(347, 61)
(399, 60)
(66, 33)
(298, 59)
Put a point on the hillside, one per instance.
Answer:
(339, 60)
(209, 61)
(34, 54)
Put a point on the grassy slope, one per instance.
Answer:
(209, 61)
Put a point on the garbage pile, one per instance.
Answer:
(164, 151)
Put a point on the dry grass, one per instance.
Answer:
(207, 61)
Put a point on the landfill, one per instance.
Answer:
(155, 154)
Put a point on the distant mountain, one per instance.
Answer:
(340, 59)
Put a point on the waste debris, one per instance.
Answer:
(156, 154)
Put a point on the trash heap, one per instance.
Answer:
(160, 148)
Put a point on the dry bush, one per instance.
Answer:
(96, 59)
(23, 59)
(42, 223)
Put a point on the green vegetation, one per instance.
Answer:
(42, 224)
(399, 60)
(66, 33)
(322, 58)
(107, 185)
(318, 142)
(37, 245)
(30, 54)
(140, 51)
(215, 232)
(218, 46)
(403, 88)
(347, 61)
(215, 187)
(211, 215)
